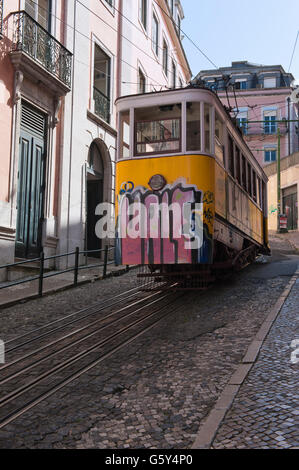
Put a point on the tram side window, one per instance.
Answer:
(254, 191)
(193, 127)
(244, 185)
(207, 123)
(219, 138)
(238, 166)
(249, 187)
(158, 129)
(124, 135)
(231, 167)
(258, 195)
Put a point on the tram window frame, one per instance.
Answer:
(123, 133)
(192, 130)
(259, 192)
(244, 173)
(254, 186)
(231, 164)
(218, 134)
(249, 179)
(157, 152)
(238, 164)
(207, 125)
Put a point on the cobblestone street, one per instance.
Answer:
(265, 413)
(156, 392)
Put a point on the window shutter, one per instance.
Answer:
(33, 121)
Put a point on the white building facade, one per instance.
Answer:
(119, 48)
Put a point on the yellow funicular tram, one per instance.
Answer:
(180, 149)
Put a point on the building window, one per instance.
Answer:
(40, 11)
(143, 12)
(173, 75)
(270, 156)
(155, 35)
(211, 84)
(241, 84)
(141, 82)
(270, 82)
(165, 57)
(270, 122)
(110, 2)
(101, 82)
(242, 123)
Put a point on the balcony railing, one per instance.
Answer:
(30, 37)
(1, 18)
(101, 105)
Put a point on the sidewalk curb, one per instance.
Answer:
(209, 428)
(55, 290)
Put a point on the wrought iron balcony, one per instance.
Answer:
(30, 37)
(1, 18)
(101, 105)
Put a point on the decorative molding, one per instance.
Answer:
(56, 112)
(51, 242)
(19, 78)
(101, 123)
(8, 233)
(37, 74)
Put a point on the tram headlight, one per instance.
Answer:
(157, 182)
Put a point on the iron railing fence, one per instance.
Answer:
(30, 37)
(101, 105)
(76, 268)
(1, 19)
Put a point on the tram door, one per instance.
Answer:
(31, 183)
(290, 206)
(94, 197)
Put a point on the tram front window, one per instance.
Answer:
(156, 134)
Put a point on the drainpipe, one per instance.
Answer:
(289, 129)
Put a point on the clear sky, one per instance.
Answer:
(260, 31)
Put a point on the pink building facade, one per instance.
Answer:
(259, 93)
(35, 77)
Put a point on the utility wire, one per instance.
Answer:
(293, 50)
(114, 29)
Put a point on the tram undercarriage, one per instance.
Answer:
(197, 277)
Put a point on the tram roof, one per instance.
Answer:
(141, 100)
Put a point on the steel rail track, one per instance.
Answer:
(63, 338)
(17, 413)
(69, 323)
(8, 398)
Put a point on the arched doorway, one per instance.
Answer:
(95, 195)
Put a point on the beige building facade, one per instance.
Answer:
(289, 182)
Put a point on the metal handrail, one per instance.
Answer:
(102, 104)
(17, 12)
(76, 268)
